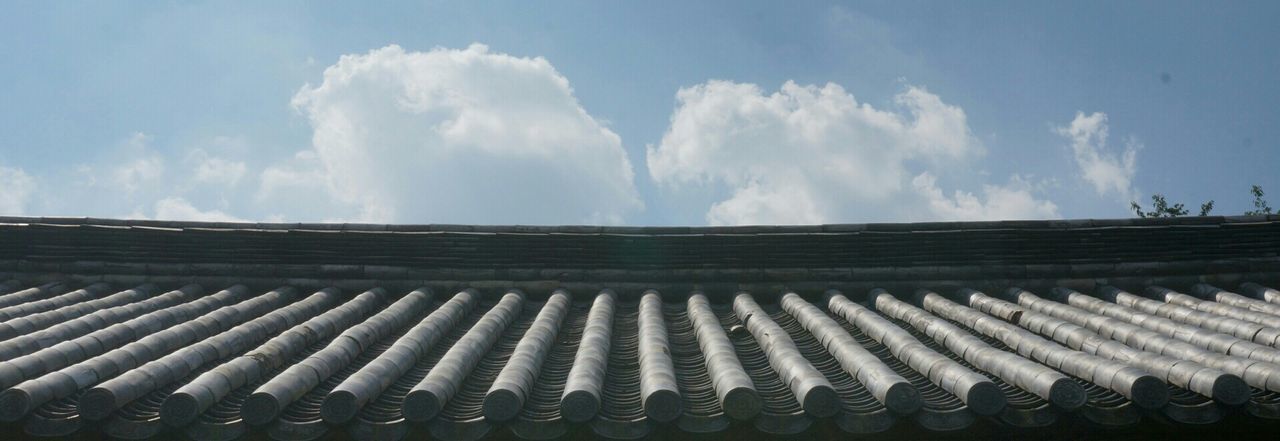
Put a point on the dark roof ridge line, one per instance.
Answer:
(1061, 224)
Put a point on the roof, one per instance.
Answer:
(147, 329)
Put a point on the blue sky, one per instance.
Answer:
(719, 112)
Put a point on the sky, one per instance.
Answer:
(637, 113)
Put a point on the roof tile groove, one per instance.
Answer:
(735, 391)
(1028, 375)
(812, 389)
(429, 396)
(514, 383)
(344, 401)
(582, 391)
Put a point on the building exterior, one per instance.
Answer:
(1053, 329)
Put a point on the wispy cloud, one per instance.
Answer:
(215, 170)
(16, 189)
(1013, 201)
(1109, 172)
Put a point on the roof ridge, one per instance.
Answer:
(1056, 224)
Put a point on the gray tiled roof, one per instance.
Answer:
(149, 330)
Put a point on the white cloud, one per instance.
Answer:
(179, 209)
(131, 168)
(303, 173)
(138, 173)
(1107, 171)
(755, 204)
(809, 154)
(214, 170)
(474, 136)
(1014, 201)
(16, 188)
(458, 136)
(137, 176)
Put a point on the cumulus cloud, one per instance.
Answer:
(809, 154)
(455, 135)
(135, 178)
(16, 188)
(304, 172)
(128, 174)
(215, 170)
(1107, 171)
(142, 169)
(302, 175)
(179, 209)
(757, 204)
(1013, 201)
(137, 173)
(475, 136)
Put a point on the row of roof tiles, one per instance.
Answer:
(148, 362)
